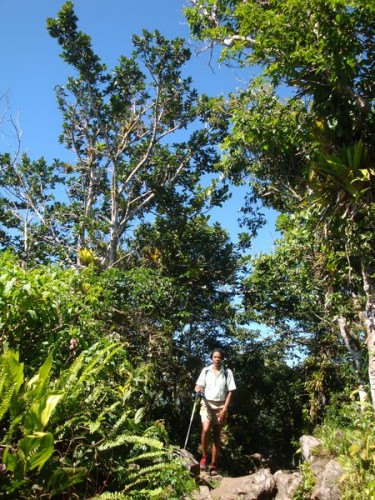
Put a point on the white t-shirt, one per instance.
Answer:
(216, 387)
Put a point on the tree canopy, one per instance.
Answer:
(313, 151)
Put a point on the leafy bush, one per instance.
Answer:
(307, 484)
(68, 310)
(350, 437)
(48, 307)
(83, 431)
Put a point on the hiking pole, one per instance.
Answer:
(197, 396)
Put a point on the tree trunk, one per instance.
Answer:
(114, 226)
(352, 345)
(369, 321)
(112, 251)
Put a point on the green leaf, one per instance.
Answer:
(63, 478)
(42, 374)
(40, 412)
(32, 313)
(139, 415)
(9, 459)
(354, 449)
(37, 449)
(8, 287)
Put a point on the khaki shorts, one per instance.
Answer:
(212, 412)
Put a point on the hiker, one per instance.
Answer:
(216, 384)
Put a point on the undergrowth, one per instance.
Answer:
(349, 436)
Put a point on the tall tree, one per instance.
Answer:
(28, 208)
(325, 50)
(202, 263)
(135, 132)
(307, 294)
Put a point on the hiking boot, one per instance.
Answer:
(212, 470)
(202, 463)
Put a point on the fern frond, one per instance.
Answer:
(144, 474)
(95, 392)
(120, 421)
(70, 376)
(99, 360)
(12, 430)
(148, 455)
(146, 471)
(152, 443)
(5, 398)
(82, 370)
(157, 492)
(109, 410)
(154, 493)
(68, 423)
(4, 380)
(116, 495)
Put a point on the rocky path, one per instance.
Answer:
(261, 484)
(282, 485)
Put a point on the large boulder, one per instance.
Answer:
(310, 447)
(260, 485)
(327, 471)
(286, 484)
(188, 461)
(327, 474)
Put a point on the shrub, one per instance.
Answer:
(350, 437)
(83, 431)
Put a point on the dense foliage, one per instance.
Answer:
(72, 431)
(309, 156)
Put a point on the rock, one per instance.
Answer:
(203, 494)
(310, 447)
(211, 481)
(286, 484)
(327, 473)
(188, 461)
(258, 462)
(260, 485)
(282, 485)
(326, 470)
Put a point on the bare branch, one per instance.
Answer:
(231, 40)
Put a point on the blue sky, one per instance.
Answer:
(31, 68)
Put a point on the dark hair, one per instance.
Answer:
(217, 349)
